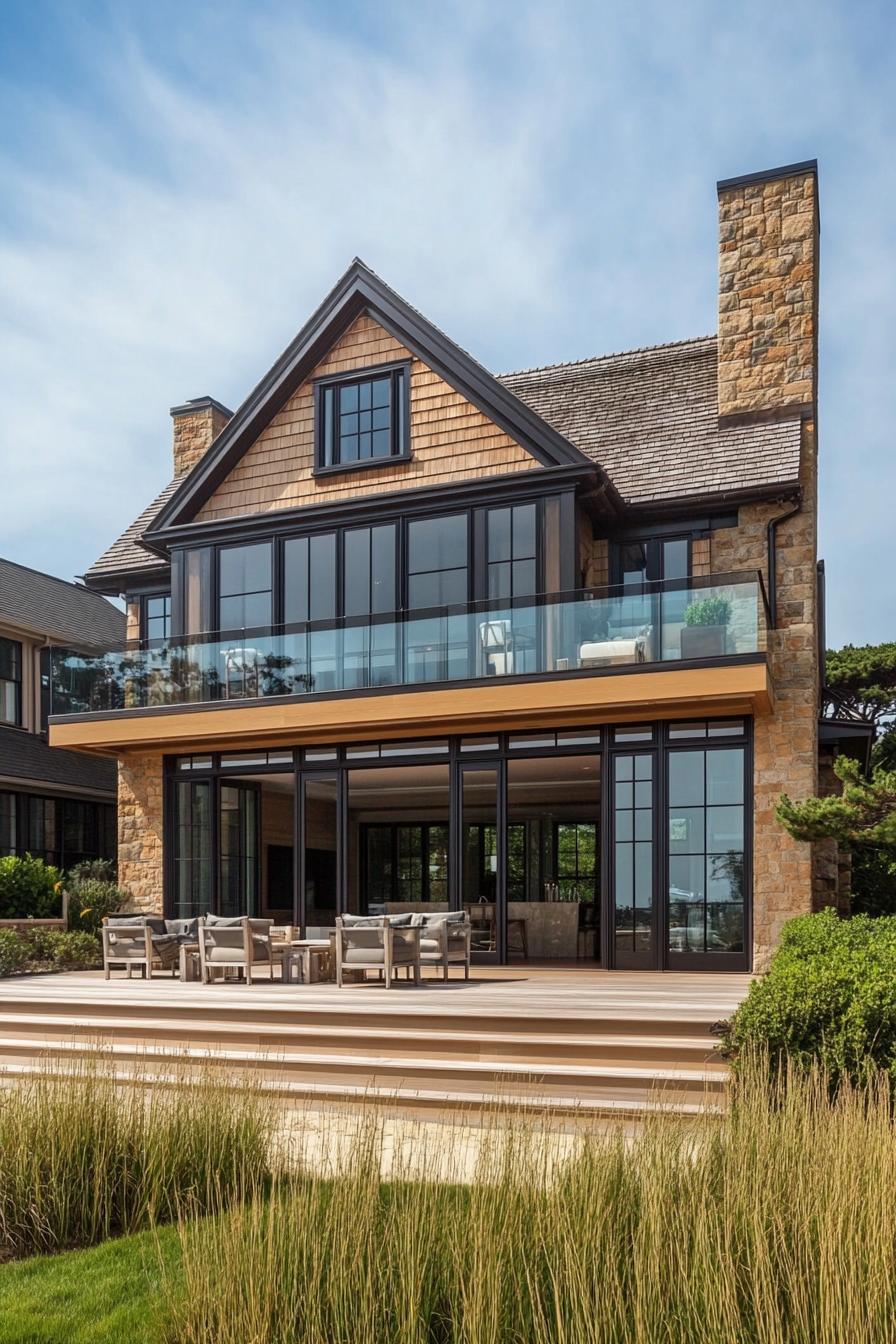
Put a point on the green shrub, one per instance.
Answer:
(709, 611)
(829, 999)
(14, 952)
(29, 889)
(69, 951)
(89, 900)
(91, 870)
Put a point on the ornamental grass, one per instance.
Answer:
(773, 1223)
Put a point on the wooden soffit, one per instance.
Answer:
(488, 706)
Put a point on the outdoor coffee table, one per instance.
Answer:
(307, 961)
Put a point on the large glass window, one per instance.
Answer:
(369, 569)
(309, 578)
(362, 419)
(321, 840)
(479, 847)
(438, 561)
(512, 549)
(193, 848)
(398, 838)
(8, 823)
(553, 809)
(10, 681)
(244, 587)
(43, 835)
(706, 850)
(633, 896)
(239, 836)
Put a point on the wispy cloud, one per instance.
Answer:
(538, 179)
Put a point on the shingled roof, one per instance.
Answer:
(27, 757)
(66, 612)
(648, 417)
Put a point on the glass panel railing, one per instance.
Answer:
(693, 619)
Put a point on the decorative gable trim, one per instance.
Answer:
(361, 291)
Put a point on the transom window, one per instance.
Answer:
(363, 419)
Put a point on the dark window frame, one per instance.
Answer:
(16, 658)
(326, 460)
(147, 639)
(339, 764)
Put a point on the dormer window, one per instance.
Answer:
(362, 418)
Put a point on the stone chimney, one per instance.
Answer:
(196, 425)
(768, 294)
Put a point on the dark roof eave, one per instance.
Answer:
(683, 504)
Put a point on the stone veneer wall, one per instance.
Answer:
(785, 741)
(140, 828)
(768, 275)
(194, 432)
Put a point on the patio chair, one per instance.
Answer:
(237, 943)
(496, 638)
(139, 940)
(381, 943)
(445, 939)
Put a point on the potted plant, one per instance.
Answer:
(705, 628)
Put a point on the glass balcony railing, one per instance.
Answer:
(589, 631)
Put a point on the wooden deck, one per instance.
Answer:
(560, 1037)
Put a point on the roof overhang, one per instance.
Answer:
(849, 737)
(741, 686)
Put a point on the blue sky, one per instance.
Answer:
(180, 184)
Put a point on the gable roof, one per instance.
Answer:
(647, 419)
(360, 290)
(66, 612)
(650, 418)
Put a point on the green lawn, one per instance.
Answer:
(111, 1294)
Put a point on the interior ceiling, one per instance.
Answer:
(545, 780)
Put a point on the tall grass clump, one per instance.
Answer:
(773, 1224)
(84, 1157)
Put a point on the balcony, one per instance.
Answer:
(698, 623)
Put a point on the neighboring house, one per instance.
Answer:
(544, 644)
(57, 805)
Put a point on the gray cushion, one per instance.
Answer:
(184, 929)
(234, 955)
(363, 921)
(126, 921)
(428, 920)
(376, 956)
(455, 944)
(224, 921)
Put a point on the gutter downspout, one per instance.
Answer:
(771, 543)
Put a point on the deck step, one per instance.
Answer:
(399, 1041)
(398, 1076)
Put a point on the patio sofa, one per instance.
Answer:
(146, 941)
(385, 942)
